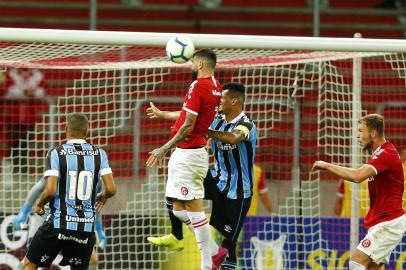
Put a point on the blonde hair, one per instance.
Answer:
(374, 122)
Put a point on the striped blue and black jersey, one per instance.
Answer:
(234, 164)
(79, 167)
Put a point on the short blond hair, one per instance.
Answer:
(374, 122)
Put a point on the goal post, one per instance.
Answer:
(202, 40)
(301, 93)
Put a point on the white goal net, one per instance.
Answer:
(301, 102)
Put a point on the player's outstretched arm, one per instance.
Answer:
(101, 236)
(187, 127)
(47, 194)
(153, 112)
(231, 137)
(32, 196)
(353, 175)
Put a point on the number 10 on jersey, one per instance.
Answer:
(80, 186)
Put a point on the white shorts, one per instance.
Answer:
(187, 169)
(382, 239)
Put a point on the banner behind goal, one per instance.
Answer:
(300, 100)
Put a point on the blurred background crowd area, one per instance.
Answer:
(325, 18)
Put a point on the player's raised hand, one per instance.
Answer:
(319, 165)
(156, 156)
(153, 112)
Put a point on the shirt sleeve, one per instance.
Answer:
(379, 161)
(104, 164)
(193, 100)
(52, 164)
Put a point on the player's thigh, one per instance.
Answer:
(44, 246)
(228, 216)
(194, 205)
(360, 257)
(77, 249)
(191, 206)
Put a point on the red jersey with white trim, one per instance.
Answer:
(386, 187)
(202, 99)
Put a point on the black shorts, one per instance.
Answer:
(75, 247)
(227, 215)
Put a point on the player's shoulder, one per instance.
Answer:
(207, 83)
(246, 121)
(386, 151)
(56, 149)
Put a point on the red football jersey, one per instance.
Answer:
(202, 99)
(386, 187)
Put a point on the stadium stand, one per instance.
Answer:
(293, 17)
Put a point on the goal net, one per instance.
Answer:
(301, 101)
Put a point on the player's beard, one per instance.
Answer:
(194, 75)
(368, 145)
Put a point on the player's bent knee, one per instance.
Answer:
(181, 215)
(356, 266)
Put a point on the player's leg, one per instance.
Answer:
(228, 217)
(375, 249)
(94, 260)
(170, 240)
(174, 240)
(359, 261)
(28, 265)
(191, 171)
(43, 248)
(201, 229)
(77, 248)
(176, 223)
(374, 266)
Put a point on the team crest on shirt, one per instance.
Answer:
(366, 243)
(184, 191)
(216, 93)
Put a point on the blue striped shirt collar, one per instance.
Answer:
(242, 114)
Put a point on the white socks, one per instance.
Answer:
(202, 232)
(182, 216)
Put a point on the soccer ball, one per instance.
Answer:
(180, 49)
